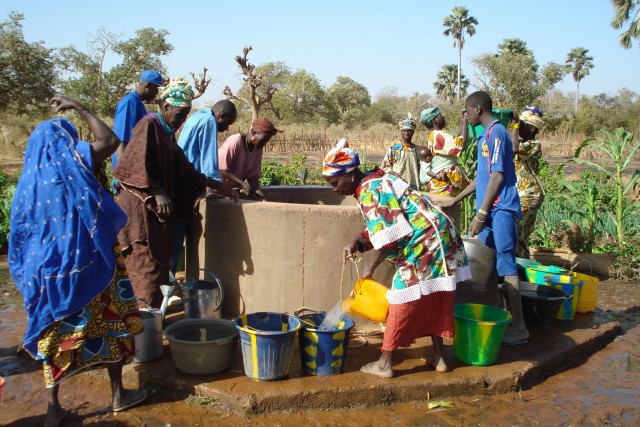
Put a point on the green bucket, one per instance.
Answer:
(479, 332)
(502, 115)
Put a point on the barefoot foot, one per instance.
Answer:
(374, 368)
(438, 363)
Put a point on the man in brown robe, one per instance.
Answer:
(158, 185)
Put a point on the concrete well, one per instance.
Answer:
(280, 254)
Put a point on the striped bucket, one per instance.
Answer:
(570, 286)
(323, 352)
(479, 332)
(267, 341)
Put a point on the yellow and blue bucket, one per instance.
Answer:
(323, 352)
(479, 332)
(267, 340)
(570, 286)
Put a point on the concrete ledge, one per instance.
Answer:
(547, 353)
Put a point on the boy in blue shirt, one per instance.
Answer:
(497, 204)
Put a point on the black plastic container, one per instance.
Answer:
(540, 304)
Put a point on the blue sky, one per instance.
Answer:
(380, 44)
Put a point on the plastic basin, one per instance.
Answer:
(202, 346)
(522, 264)
(502, 115)
(323, 352)
(267, 341)
(537, 273)
(479, 332)
(540, 304)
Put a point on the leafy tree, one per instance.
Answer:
(346, 102)
(300, 99)
(579, 64)
(100, 89)
(624, 9)
(447, 85)
(27, 70)
(273, 77)
(456, 25)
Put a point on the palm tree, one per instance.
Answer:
(456, 24)
(446, 85)
(514, 46)
(624, 10)
(579, 64)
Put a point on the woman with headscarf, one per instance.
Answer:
(240, 157)
(62, 257)
(528, 153)
(445, 149)
(415, 237)
(158, 183)
(401, 158)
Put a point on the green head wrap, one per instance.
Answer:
(428, 114)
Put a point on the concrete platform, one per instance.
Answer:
(518, 367)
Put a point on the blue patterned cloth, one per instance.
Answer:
(63, 227)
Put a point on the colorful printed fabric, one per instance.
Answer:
(445, 149)
(408, 122)
(530, 191)
(101, 332)
(426, 250)
(63, 225)
(403, 161)
(532, 115)
(340, 160)
(428, 114)
(177, 93)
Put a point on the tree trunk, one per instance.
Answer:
(577, 94)
(459, 69)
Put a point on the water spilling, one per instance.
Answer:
(334, 316)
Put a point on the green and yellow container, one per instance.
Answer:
(570, 286)
(479, 332)
(537, 273)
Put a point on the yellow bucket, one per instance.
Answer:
(588, 294)
(369, 300)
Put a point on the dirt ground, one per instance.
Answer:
(602, 390)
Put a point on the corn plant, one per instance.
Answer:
(617, 147)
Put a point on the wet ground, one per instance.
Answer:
(601, 390)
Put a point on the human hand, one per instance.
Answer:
(475, 227)
(228, 191)
(367, 271)
(165, 207)
(350, 250)
(444, 203)
(63, 103)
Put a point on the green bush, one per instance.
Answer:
(7, 189)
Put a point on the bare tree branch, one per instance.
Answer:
(201, 83)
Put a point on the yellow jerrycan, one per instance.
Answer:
(369, 300)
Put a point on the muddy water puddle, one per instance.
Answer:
(602, 390)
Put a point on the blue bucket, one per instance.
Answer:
(267, 341)
(323, 352)
(569, 286)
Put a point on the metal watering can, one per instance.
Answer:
(203, 298)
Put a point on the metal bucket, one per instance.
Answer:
(203, 298)
(149, 342)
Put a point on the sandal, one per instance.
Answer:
(141, 398)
